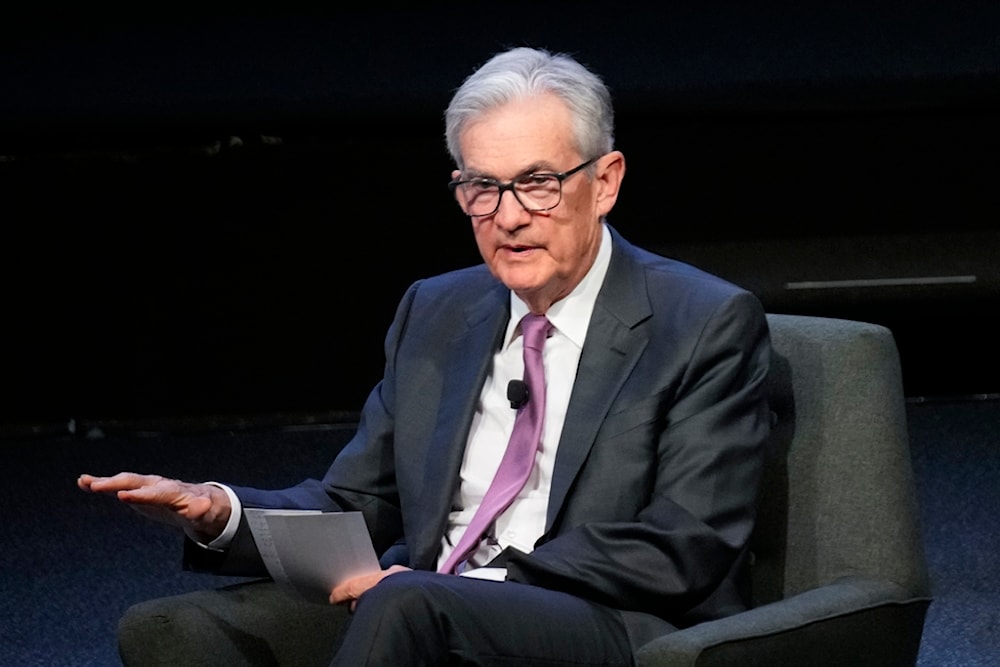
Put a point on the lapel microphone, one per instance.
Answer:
(517, 393)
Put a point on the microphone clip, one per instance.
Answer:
(517, 393)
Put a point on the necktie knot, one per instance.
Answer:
(535, 329)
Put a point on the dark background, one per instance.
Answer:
(215, 213)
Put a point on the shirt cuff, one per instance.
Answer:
(225, 538)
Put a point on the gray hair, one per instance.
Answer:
(524, 72)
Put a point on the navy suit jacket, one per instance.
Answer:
(658, 467)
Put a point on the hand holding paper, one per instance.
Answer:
(311, 553)
(352, 589)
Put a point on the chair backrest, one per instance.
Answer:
(839, 497)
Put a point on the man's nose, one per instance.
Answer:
(510, 214)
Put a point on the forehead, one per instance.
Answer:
(534, 131)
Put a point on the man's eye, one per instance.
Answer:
(480, 186)
(533, 182)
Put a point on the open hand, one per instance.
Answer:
(202, 509)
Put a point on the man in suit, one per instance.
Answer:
(636, 516)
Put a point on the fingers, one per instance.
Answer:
(193, 502)
(201, 507)
(130, 487)
(352, 589)
(123, 481)
(147, 490)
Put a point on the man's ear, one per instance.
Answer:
(608, 179)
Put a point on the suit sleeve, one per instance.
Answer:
(691, 534)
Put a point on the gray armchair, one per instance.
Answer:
(839, 573)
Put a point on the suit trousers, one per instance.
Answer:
(429, 619)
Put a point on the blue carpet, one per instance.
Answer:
(956, 458)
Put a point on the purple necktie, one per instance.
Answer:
(519, 458)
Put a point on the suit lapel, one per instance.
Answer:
(615, 341)
(467, 358)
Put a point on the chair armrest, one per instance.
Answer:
(851, 621)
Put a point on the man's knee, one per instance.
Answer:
(407, 618)
(165, 631)
(413, 594)
(249, 624)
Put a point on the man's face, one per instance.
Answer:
(541, 256)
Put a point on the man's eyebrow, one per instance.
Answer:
(474, 174)
(535, 168)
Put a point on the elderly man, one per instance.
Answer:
(640, 382)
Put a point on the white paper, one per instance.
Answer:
(309, 552)
(486, 573)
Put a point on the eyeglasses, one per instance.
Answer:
(535, 192)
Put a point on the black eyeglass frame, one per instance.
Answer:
(560, 176)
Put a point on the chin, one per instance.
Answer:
(518, 281)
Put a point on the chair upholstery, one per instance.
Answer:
(839, 573)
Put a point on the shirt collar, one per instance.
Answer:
(571, 314)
